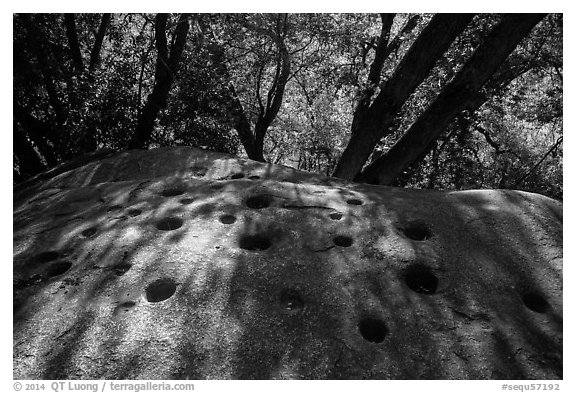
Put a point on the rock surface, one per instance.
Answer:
(177, 263)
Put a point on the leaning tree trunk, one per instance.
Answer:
(372, 124)
(456, 96)
(274, 101)
(96, 49)
(166, 69)
(72, 34)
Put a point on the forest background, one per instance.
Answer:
(444, 101)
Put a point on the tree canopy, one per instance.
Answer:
(451, 101)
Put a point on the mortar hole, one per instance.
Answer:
(237, 176)
(47, 256)
(160, 290)
(134, 212)
(335, 215)
(259, 201)
(420, 279)
(343, 241)
(373, 330)
(417, 231)
(535, 302)
(89, 232)
(169, 223)
(254, 177)
(227, 219)
(254, 242)
(58, 268)
(354, 201)
(174, 191)
(186, 201)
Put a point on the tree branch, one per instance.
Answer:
(276, 93)
(558, 141)
(380, 52)
(95, 54)
(407, 29)
(493, 143)
(369, 126)
(258, 87)
(454, 98)
(72, 34)
(241, 123)
(166, 68)
(377, 63)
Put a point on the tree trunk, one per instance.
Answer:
(380, 55)
(274, 100)
(253, 142)
(166, 69)
(72, 34)
(239, 118)
(95, 54)
(407, 29)
(372, 124)
(456, 96)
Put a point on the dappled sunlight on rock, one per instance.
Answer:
(179, 263)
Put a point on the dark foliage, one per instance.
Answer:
(331, 93)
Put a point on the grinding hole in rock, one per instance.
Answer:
(254, 177)
(47, 256)
(174, 191)
(354, 201)
(237, 176)
(291, 300)
(335, 215)
(372, 330)
(121, 268)
(227, 219)
(89, 232)
(169, 223)
(343, 241)
(128, 304)
(254, 242)
(417, 231)
(134, 212)
(535, 302)
(160, 290)
(58, 268)
(420, 279)
(259, 201)
(186, 201)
